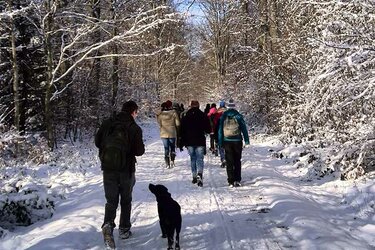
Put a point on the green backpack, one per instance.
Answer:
(114, 146)
(231, 128)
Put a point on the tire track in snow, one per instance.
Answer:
(218, 175)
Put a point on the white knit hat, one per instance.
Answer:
(231, 103)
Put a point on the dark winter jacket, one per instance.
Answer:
(136, 145)
(194, 126)
(242, 125)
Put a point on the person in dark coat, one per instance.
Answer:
(119, 184)
(194, 126)
(207, 109)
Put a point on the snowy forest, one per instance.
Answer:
(303, 71)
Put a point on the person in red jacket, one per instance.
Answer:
(211, 115)
(219, 112)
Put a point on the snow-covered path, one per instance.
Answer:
(274, 209)
(214, 217)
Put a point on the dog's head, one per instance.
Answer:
(159, 190)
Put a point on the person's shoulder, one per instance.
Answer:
(135, 126)
(108, 121)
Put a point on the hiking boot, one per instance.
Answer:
(107, 231)
(237, 184)
(173, 156)
(223, 164)
(124, 233)
(194, 180)
(200, 180)
(231, 184)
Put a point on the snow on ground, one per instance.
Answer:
(276, 208)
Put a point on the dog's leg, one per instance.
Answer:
(163, 231)
(170, 242)
(178, 230)
(177, 245)
(170, 233)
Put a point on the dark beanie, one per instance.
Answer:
(194, 103)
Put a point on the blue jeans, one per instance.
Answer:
(169, 146)
(221, 152)
(196, 159)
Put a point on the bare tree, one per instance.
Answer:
(219, 15)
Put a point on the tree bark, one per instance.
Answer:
(96, 62)
(15, 72)
(115, 61)
(48, 92)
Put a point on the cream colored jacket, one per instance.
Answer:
(169, 123)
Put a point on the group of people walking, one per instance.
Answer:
(227, 130)
(120, 140)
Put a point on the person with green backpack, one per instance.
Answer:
(119, 140)
(232, 131)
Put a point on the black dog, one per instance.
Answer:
(169, 214)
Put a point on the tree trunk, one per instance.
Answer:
(15, 72)
(96, 67)
(115, 61)
(48, 91)
(272, 22)
(264, 26)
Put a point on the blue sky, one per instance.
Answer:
(190, 7)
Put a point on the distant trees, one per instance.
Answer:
(79, 46)
(300, 68)
(304, 69)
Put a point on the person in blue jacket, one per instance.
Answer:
(232, 131)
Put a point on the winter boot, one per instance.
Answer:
(109, 241)
(200, 180)
(223, 164)
(167, 162)
(124, 233)
(173, 156)
(216, 152)
(194, 180)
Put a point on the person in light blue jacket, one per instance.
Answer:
(232, 131)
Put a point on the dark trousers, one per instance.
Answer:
(233, 155)
(212, 141)
(118, 186)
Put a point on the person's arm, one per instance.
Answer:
(158, 118)
(99, 134)
(243, 129)
(220, 130)
(181, 135)
(139, 147)
(207, 125)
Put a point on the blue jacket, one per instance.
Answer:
(241, 123)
